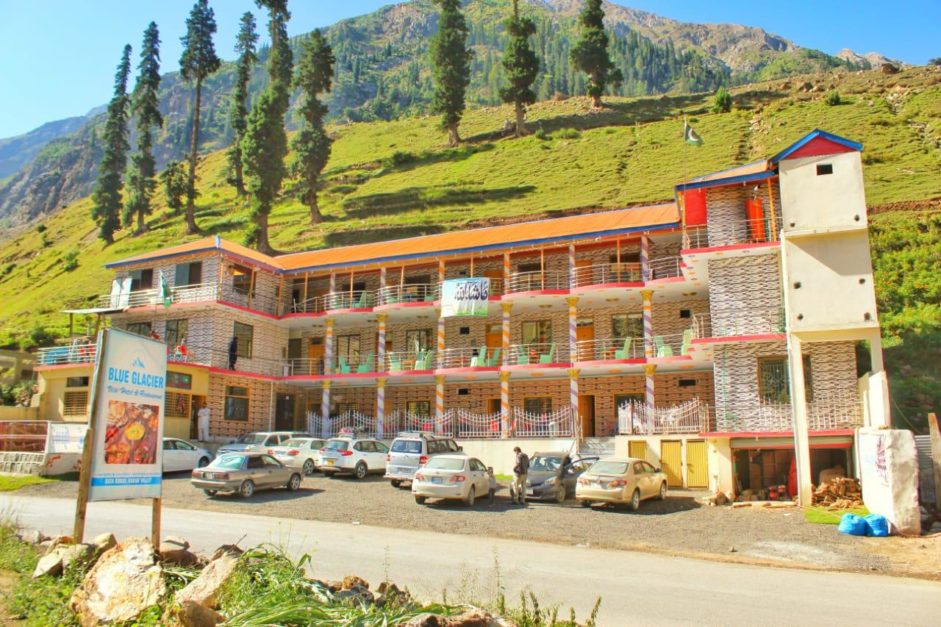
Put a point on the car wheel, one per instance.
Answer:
(420, 500)
(361, 470)
(560, 494)
(210, 492)
(585, 503)
(247, 489)
(294, 483)
(203, 462)
(635, 501)
(396, 483)
(309, 467)
(471, 497)
(663, 491)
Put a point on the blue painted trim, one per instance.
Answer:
(732, 180)
(809, 137)
(699, 179)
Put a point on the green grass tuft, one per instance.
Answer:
(9, 483)
(820, 515)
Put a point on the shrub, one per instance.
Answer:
(70, 260)
(41, 228)
(541, 135)
(722, 101)
(833, 98)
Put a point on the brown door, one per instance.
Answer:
(493, 406)
(315, 356)
(585, 333)
(586, 415)
(494, 337)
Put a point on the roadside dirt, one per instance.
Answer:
(676, 526)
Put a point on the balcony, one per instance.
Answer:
(482, 357)
(610, 349)
(666, 268)
(738, 323)
(537, 353)
(75, 353)
(409, 293)
(359, 364)
(303, 367)
(410, 361)
(200, 293)
(730, 232)
(637, 418)
(313, 305)
(826, 412)
(362, 299)
(537, 281)
(248, 300)
(608, 274)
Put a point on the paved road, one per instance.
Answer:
(636, 588)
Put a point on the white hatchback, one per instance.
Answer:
(301, 453)
(453, 477)
(359, 456)
(181, 455)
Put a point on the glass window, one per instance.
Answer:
(236, 403)
(639, 468)
(169, 445)
(537, 332)
(184, 446)
(229, 461)
(417, 340)
(541, 405)
(76, 382)
(773, 379)
(649, 467)
(179, 380)
(418, 408)
(244, 334)
(337, 445)
(445, 463)
(176, 332)
(609, 468)
(627, 325)
(406, 446)
(142, 280)
(381, 448)
(270, 461)
(241, 279)
(188, 274)
(139, 328)
(255, 463)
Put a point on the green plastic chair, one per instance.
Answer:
(661, 349)
(344, 366)
(423, 361)
(364, 363)
(625, 351)
(549, 357)
(522, 358)
(480, 359)
(687, 341)
(395, 363)
(494, 359)
(363, 301)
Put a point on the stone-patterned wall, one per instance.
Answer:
(560, 329)
(199, 335)
(260, 410)
(269, 342)
(398, 396)
(210, 272)
(666, 315)
(361, 399)
(477, 326)
(745, 296)
(556, 389)
(556, 260)
(476, 399)
(726, 212)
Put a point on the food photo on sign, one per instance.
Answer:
(131, 433)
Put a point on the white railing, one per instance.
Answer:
(702, 326)
(75, 353)
(254, 301)
(607, 274)
(408, 293)
(730, 231)
(825, 412)
(738, 322)
(537, 353)
(303, 367)
(472, 426)
(556, 424)
(695, 237)
(354, 363)
(610, 349)
(361, 299)
(481, 357)
(637, 418)
(406, 361)
(314, 304)
(424, 423)
(672, 345)
(537, 281)
(197, 293)
(665, 268)
(330, 426)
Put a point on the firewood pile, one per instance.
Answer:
(839, 493)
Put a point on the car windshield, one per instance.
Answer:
(228, 461)
(338, 445)
(550, 464)
(609, 468)
(251, 438)
(296, 443)
(406, 446)
(445, 463)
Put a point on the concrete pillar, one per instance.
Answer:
(328, 348)
(649, 396)
(507, 271)
(505, 403)
(383, 282)
(801, 425)
(380, 407)
(647, 295)
(645, 273)
(440, 345)
(573, 328)
(381, 343)
(880, 414)
(573, 402)
(573, 280)
(439, 397)
(505, 338)
(325, 405)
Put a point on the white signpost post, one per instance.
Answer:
(122, 456)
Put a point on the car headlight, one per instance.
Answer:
(551, 481)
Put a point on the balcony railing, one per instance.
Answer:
(730, 231)
(253, 301)
(409, 293)
(303, 367)
(314, 304)
(537, 281)
(738, 323)
(407, 361)
(556, 424)
(537, 353)
(608, 349)
(482, 357)
(354, 363)
(349, 300)
(825, 412)
(608, 274)
(665, 268)
(672, 345)
(637, 418)
(75, 353)
(201, 292)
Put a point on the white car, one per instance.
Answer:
(181, 455)
(301, 453)
(359, 456)
(451, 477)
(258, 441)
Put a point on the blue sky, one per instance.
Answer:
(57, 57)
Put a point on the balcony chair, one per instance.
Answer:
(494, 359)
(423, 361)
(549, 357)
(480, 359)
(687, 341)
(364, 364)
(363, 301)
(522, 357)
(661, 349)
(344, 366)
(395, 363)
(625, 351)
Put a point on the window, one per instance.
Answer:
(177, 405)
(418, 408)
(627, 256)
(463, 391)
(294, 348)
(345, 408)
(367, 447)
(381, 448)
(541, 405)
(639, 468)
(464, 331)
(686, 313)
(529, 267)
(139, 328)
(773, 379)
(244, 334)
(348, 348)
(179, 380)
(177, 331)
(477, 465)
(142, 280)
(75, 403)
(687, 383)
(188, 274)
(184, 446)
(236, 403)
(76, 382)
(242, 279)
(627, 325)
(824, 169)
(537, 332)
(418, 340)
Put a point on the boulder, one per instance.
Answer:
(31, 536)
(425, 620)
(60, 557)
(473, 617)
(124, 582)
(55, 541)
(192, 614)
(204, 589)
(352, 581)
(226, 549)
(357, 594)
(104, 542)
(388, 592)
(176, 551)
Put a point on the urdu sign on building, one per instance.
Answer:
(465, 298)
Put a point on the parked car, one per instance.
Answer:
(411, 450)
(181, 455)
(259, 441)
(552, 475)
(303, 453)
(243, 473)
(451, 477)
(620, 480)
(359, 456)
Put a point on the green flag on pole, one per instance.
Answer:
(165, 295)
(690, 135)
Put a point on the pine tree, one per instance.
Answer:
(174, 182)
(521, 65)
(590, 54)
(198, 61)
(265, 144)
(145, 105)
(312, 145)
(450, 61)
(238, 109)
(106, 197)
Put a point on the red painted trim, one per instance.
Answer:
(512, 295)
(561, 364)
(671, 279)
(290, 316)
(819, 147)
(468, 369)
(355, 310)
(247, 310)
(420, 303)
(690, 252)
(409, 373)
(766, 337)
(50, 367)
(773, 434)
(242, 373)
(662, 360)
(597, 287)
(612, 362)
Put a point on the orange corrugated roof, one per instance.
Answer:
(521, 233)
(742, 170)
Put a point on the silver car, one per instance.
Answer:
(410, 451)
(303, 453)
(451, 477)
(259, 441)
(243, 473)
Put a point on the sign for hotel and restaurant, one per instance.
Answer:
(465, 297)
(127, 417)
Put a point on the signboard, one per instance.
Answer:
(465, 297)
(127, 417)
(65, 438)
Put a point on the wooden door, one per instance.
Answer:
(584, 334)
(494, 337)
(671, 461)
(284, 412)
(586, 414)
(637, 449)
(697, 465)
(315, 356)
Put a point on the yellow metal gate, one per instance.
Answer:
(637, 449)
(671, 460)
(697, 465)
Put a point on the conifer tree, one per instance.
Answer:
(197, 62)
(521, 65)
(145, 106)
(265, 144)
(450, 63)
(311, 144)
(174, 180)
(106, 197)
(590, 53)
(238, 109)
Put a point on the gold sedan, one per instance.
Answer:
(621, 480)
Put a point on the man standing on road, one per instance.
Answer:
(520, 470)
(202, 424)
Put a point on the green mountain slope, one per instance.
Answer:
(396, 179)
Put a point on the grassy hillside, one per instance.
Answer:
(397, 179)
